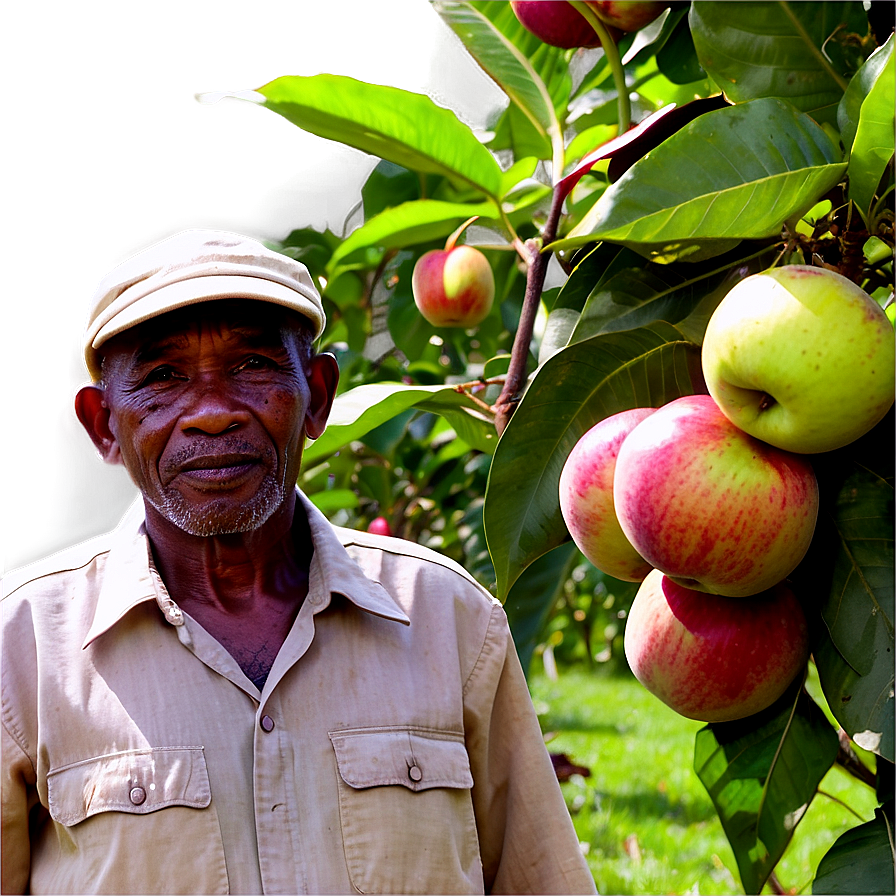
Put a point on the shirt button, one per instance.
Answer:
(267, 723)
(414, 773)
(137, 795)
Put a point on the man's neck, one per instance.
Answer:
(238, 574)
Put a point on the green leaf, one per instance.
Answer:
(850, 108)
(511, 70)
(328, 502)
(358, 411)
(406, 128)
(682, 294)
(874, 143)
(848, 573)
(861, 859)
(759, 164)
(533, 595)
(418, 221)
(761, 774)
(862, 704)
(571, 392)
(794, 51)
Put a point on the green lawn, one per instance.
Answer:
(646, 821)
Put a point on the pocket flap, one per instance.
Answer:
(416, 758)
(133, 781)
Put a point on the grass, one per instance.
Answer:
(643, 816)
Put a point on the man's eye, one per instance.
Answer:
(162, 374)
(255, 362)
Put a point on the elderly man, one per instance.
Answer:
(228, 694)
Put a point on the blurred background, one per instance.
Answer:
(108, 150)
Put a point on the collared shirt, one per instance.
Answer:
(393, 748)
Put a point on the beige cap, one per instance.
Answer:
(191, 267)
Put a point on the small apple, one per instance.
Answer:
(556, 23)
(801, 358)
(586, 497)
(627, 15)
(710, 506)
(454, 286)
(715, 658)
(379, 526)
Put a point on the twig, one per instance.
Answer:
(516, 372)
(485, 406)
(850, 762)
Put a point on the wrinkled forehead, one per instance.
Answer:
(262, 323)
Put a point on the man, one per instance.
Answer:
(228, 694)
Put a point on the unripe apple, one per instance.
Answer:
(586, 497)
(555, 22)
(454, 286)
(715, 658)
(379, 526)
(801, 358)
(710, 506)
(627, 15)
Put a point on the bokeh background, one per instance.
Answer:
(107, 150)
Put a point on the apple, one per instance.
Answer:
(710, 506)
(556, 23)
(801, 358)
(586, 497)
(379, 526)
(715, 658)
(454, 286)
(627, 15)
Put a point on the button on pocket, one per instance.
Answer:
(116, 806)
(406, 810)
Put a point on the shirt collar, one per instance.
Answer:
(131, 577)
(333, 571)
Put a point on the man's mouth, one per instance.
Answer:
(218, 469)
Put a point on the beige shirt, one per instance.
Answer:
(394, 747)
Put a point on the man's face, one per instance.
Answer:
(208, 409)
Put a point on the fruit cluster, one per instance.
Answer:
(711, 500)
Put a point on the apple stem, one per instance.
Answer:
(766, 402)
(611, 51)
(537, 270)
(449, 244)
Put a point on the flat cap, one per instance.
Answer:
(190, 267)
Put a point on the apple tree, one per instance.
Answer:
(620, 192)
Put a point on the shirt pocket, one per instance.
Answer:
(108, 811)
(406, 810)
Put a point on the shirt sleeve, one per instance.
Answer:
(19, 796)
(526, 837)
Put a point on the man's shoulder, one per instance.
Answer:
(358, 543)
(51, 571)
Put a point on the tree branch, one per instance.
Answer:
(519, 355)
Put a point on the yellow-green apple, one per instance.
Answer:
(556, 23)
(801, 358)
(627, 15)
(715, 658)
(586, 497)
(454, 286)
(710, 506)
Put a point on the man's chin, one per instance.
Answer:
(220, 515)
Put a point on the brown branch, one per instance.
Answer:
(516, 372)
(850, 762)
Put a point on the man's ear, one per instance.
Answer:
(90, 406)
(323, 377)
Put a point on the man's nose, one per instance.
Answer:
(212, 409)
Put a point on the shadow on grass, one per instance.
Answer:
(655, 804)
(578, 723)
